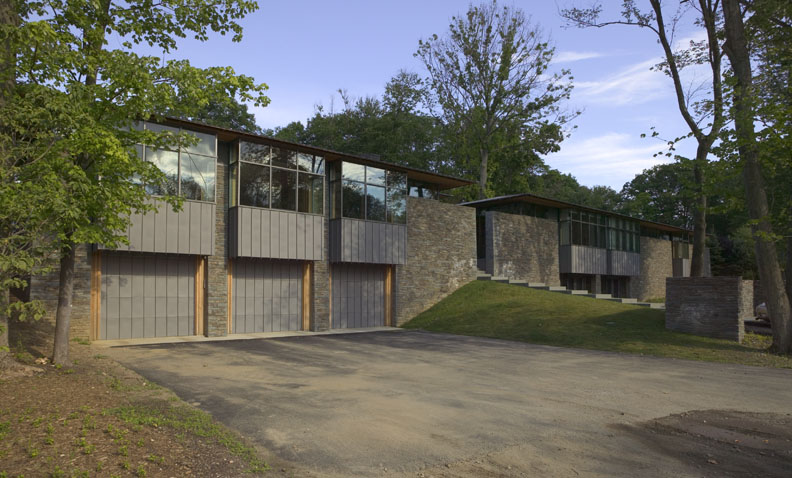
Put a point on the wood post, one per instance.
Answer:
(389, 296)
(307, 295)
(200, 297)
(96, 295)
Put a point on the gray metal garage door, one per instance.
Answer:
(267, 295)
(358, 295)
(147, 295)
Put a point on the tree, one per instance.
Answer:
(694, 112)
(226, 112)
(662, 193)
(744, 114)
(489, 78)
(100, 93)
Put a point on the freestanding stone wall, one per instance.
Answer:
(441, 255)
(709, 306)
(656, 266)
(522, 247)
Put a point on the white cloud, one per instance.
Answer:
(570, 56)
(633, 85)
(611, 159)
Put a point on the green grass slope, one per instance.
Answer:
(490, 309)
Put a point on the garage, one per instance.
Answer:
(267, 295)
(147, 295)
(358, 295)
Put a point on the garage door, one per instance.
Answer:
(358, 295)
(147, 295)
(266, 295)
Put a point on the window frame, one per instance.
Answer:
(235, 161)
(336, 180)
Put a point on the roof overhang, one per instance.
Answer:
(544, 201)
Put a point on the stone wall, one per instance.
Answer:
(522, 247)
(44, 288)
(656, 266)
(441, 256)
(217, 264)
(320, 281)
(709, 306)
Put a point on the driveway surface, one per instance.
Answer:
(411, 403)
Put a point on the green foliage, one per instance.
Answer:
(490, 79)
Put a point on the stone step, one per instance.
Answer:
(551, 288)
(599, 296)
(574, 292)
(623, 300)
(517, 282)
(651, 305)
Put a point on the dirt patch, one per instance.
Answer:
(97, 418)
(721, 443)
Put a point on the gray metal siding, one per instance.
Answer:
(266, 295)
(358, 296)
(623, 263)
(272, 234)
(189, 231)
(368, 242)
(583, 260)
(146, 295)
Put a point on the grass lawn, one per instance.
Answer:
(490, 309)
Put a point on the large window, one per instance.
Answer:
(366, 192)
(598, 230)
(279, 178)
(189, 170)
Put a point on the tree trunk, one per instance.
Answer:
(60, 353)
(697, 268)
(483, 173)
(5, 354)
(788, 269)
(778, 307)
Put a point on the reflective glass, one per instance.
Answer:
(284, 189)
(397, 206)
(254, 185)
(232, 185)
(375, 176)
(310, 163)
(206, 144)
(354, 172)
(310, 193)
(335, 198)
(284, 158)
(352, 199)
(375, 203)
(198, 177)
(168, 163)
(254, 153)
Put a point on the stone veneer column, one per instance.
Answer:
(320, 285)
(217, 267)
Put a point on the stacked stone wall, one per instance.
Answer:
(217, 264)
(441, 256)
(709, 306)
(656, 266)
(522, 247)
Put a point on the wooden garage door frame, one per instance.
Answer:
(96, 295)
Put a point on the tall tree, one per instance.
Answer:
(100, 92)
(662, 193)
(744, 115)
(489, 75)
(694, 113)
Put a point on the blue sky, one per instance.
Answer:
(306, 50)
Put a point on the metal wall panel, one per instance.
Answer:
(582, 260)
(271, 234)
(147, 295)
(623, 263)
(358, 296)
(367, 242)
(189, 231)
(266, 295)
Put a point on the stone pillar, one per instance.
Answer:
(597, 284)
(217, 267)
(320, 285)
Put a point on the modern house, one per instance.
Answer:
(276, 236)
(272, 236)
(543, 240)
